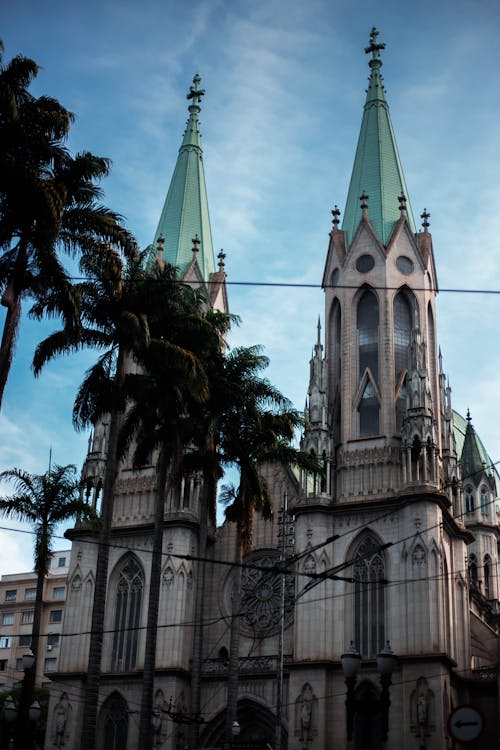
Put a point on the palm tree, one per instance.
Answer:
(259, 431)
(161, 396)
(114, 301)
(49, 202)
(42, 500)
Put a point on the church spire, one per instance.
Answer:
(185, 212)
(377, 169)
(471, 459)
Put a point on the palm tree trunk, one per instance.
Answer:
(208, 494)
(234, 642)
(24, 739)
(89, 720)
(9, 334)
(145, 725)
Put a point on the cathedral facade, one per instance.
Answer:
(370, 603)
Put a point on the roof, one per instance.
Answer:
(377, 170)
(475, 452)
(185, 213)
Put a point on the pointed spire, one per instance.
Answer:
(471, 460)
(377, 168)
(185, 212)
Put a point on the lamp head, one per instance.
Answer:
(351, 661)
(386, 660)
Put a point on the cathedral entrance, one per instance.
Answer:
(368, 726)
(257, 728)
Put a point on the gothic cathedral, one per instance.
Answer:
(370, 603)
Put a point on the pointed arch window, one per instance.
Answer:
(369, 598)
(485, 501)
(113, 723)
(402, 315)
(487, 577)
(127, 616)
(473, 569)
(469, 499)
(368, 319)
(369, 412)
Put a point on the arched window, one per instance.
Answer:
(473, 569)
(369, 598)
(469, 499)
(487, 577)
(113, 723)
(402, 334)
(127, 616)
(368, 334)
(369, 412)
(485, 501)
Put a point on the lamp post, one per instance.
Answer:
(235, 730)
(351, 663)
(9, 717)
(386, 663)
(29, 708)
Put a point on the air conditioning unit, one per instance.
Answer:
(49, 647)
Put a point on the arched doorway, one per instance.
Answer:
(368, 725)
(257, 728)
(113, 723)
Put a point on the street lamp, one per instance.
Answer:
(9, 716)
(351, 664)
(386, 664)
(29, 707)
(235, 730)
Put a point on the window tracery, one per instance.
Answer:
(369, 598)
(127, 616)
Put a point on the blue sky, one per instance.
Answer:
(285, 85)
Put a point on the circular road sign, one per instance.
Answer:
(465, 724)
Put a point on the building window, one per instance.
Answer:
(3, 665)
(473, 569)
(469, 500)
(369, 412)
(485, 501)
(402, 334)
(53, 639)
(487, 577)
(5, 641)
(10, 595)
(19, 664)
(113, 722)
(369, 598)
(55, 615)
(25, 640)
(58, 592)
(30, 594)
(50, 664)
(61, 562)
(27, 617)
(127, 616)
(368, 334)
(8, 618)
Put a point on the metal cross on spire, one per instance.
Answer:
(374, 47)
(194, 92)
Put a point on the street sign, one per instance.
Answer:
(465, 724)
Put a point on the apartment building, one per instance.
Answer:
(17, 606)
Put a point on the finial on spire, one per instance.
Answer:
(319, 331)
(469, 418)
(364, 201)
(221, 256)
(425, 216)
(374, 48)
(336, 220)
(196, 245)
(195, 93)
(402, 203)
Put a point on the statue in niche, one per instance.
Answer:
(306, 715)
(62, 712)
(422, 711)
(158, 719)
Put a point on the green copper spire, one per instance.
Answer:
(185, 212)
(471, 460)
(377, 169)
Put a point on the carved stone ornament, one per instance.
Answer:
(62, 721)
(306, 715)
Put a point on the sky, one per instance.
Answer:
(285, 82)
